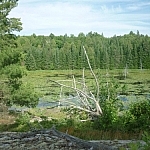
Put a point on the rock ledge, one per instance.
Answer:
(50, 140)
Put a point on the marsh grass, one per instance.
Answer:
(54, 113)
(137, 81)
(91, 134)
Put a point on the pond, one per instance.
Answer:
(64, 102)
(46, 103)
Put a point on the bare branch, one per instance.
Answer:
(97, 84)
(99, 110)
(74, 82)
(86, 110)
(67, 86)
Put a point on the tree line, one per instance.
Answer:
(66, 52)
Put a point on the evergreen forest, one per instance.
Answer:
(66, 52)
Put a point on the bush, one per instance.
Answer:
(23, 119)
(109, 118)
(25, 96)
(137, 116)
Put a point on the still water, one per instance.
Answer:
(46, 103)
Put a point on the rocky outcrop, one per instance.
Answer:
(47, 140)
(55, 140)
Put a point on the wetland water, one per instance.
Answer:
(46, 103)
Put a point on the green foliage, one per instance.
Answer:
(14, 72)
(109, 118)
(64, 52)
(19, 93)
(11, 58)
(30, 62)
(23, 119)
(140, 108)
(8, 25)
(146, 139)
(76, 114)
(24, 96)
(115, 115)
(138, 115)
(132, 146)
(109, 89)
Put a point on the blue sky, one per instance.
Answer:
(110, 17)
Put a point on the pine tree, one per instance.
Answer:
(10, 60)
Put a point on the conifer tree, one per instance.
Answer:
(15, 92)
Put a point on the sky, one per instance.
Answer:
(60, 17)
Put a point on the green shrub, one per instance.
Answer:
(23, 119)
(109, 118)
(138, 115)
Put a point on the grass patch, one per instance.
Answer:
(137, 81)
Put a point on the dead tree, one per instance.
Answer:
(88, 101)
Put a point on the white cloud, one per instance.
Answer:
(138, 6)
(111, 10)
(60, 17)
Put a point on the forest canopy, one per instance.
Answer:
(66, 52)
